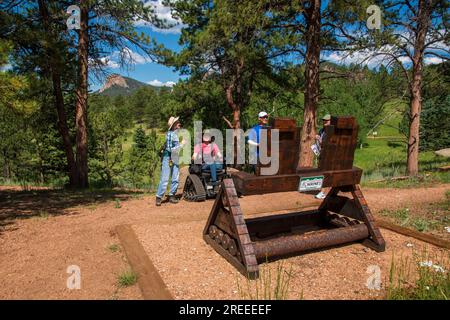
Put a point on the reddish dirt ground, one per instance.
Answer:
(43, 232)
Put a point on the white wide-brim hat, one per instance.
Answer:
(172, 121)
(262, 114)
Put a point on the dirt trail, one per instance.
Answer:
(44, 232)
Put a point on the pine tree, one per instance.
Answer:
(140, 139)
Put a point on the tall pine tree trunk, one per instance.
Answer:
(236, 124)
(59, 99)
(82, 96)
(64, 130)
(423, 20)
(312, 59)
(6, 167)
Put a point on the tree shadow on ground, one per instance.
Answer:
(17, 204)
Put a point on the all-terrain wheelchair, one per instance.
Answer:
(198, 186)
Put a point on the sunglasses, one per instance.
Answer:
(265, 117)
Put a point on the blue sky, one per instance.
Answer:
(155, 74)
(144, 69)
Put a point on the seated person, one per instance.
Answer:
(210, 154)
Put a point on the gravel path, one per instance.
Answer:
(41, 235)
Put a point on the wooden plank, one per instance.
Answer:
(150, 282)
(339, 145)
(216, 206)
(414, 234)
(224, 222)
(248, 184)
(368, 219)
(231, 259)
(274, 224)
(284, 123)
(343, 122)
(227, 215)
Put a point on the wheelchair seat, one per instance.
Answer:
(207, 173)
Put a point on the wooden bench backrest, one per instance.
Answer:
(289, 142)
(339, 144)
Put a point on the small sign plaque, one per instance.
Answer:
(310, 183)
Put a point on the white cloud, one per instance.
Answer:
(113, 60)
(432, 60)
(383, 56)
(158, 83)
(373, 59)
(163, 13)
(370, 58)
(109, 63)
(129, 55)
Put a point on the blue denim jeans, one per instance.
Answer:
(213, 167)
(164, 180)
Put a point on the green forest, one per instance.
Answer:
(238, 58)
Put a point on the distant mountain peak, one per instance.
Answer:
(116, 85)
(114, 80)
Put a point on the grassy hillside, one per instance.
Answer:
(384, 155)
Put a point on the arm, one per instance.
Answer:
(174, 138)
(252, 139)
(217, 154)
(197, 149)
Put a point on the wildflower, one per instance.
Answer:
(426, 264)
(430, 264)
(438, 268)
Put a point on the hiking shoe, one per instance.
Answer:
(173, 199)
(158, 202)
(320, 195)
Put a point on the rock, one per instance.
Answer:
(443, 152)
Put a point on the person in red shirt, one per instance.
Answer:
(211, 156)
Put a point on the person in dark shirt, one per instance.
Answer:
(326, 120)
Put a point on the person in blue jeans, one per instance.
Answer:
(208, 152)
(253, 137)
(170, 163)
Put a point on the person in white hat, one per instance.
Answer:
(253, 137)
(169, 161)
